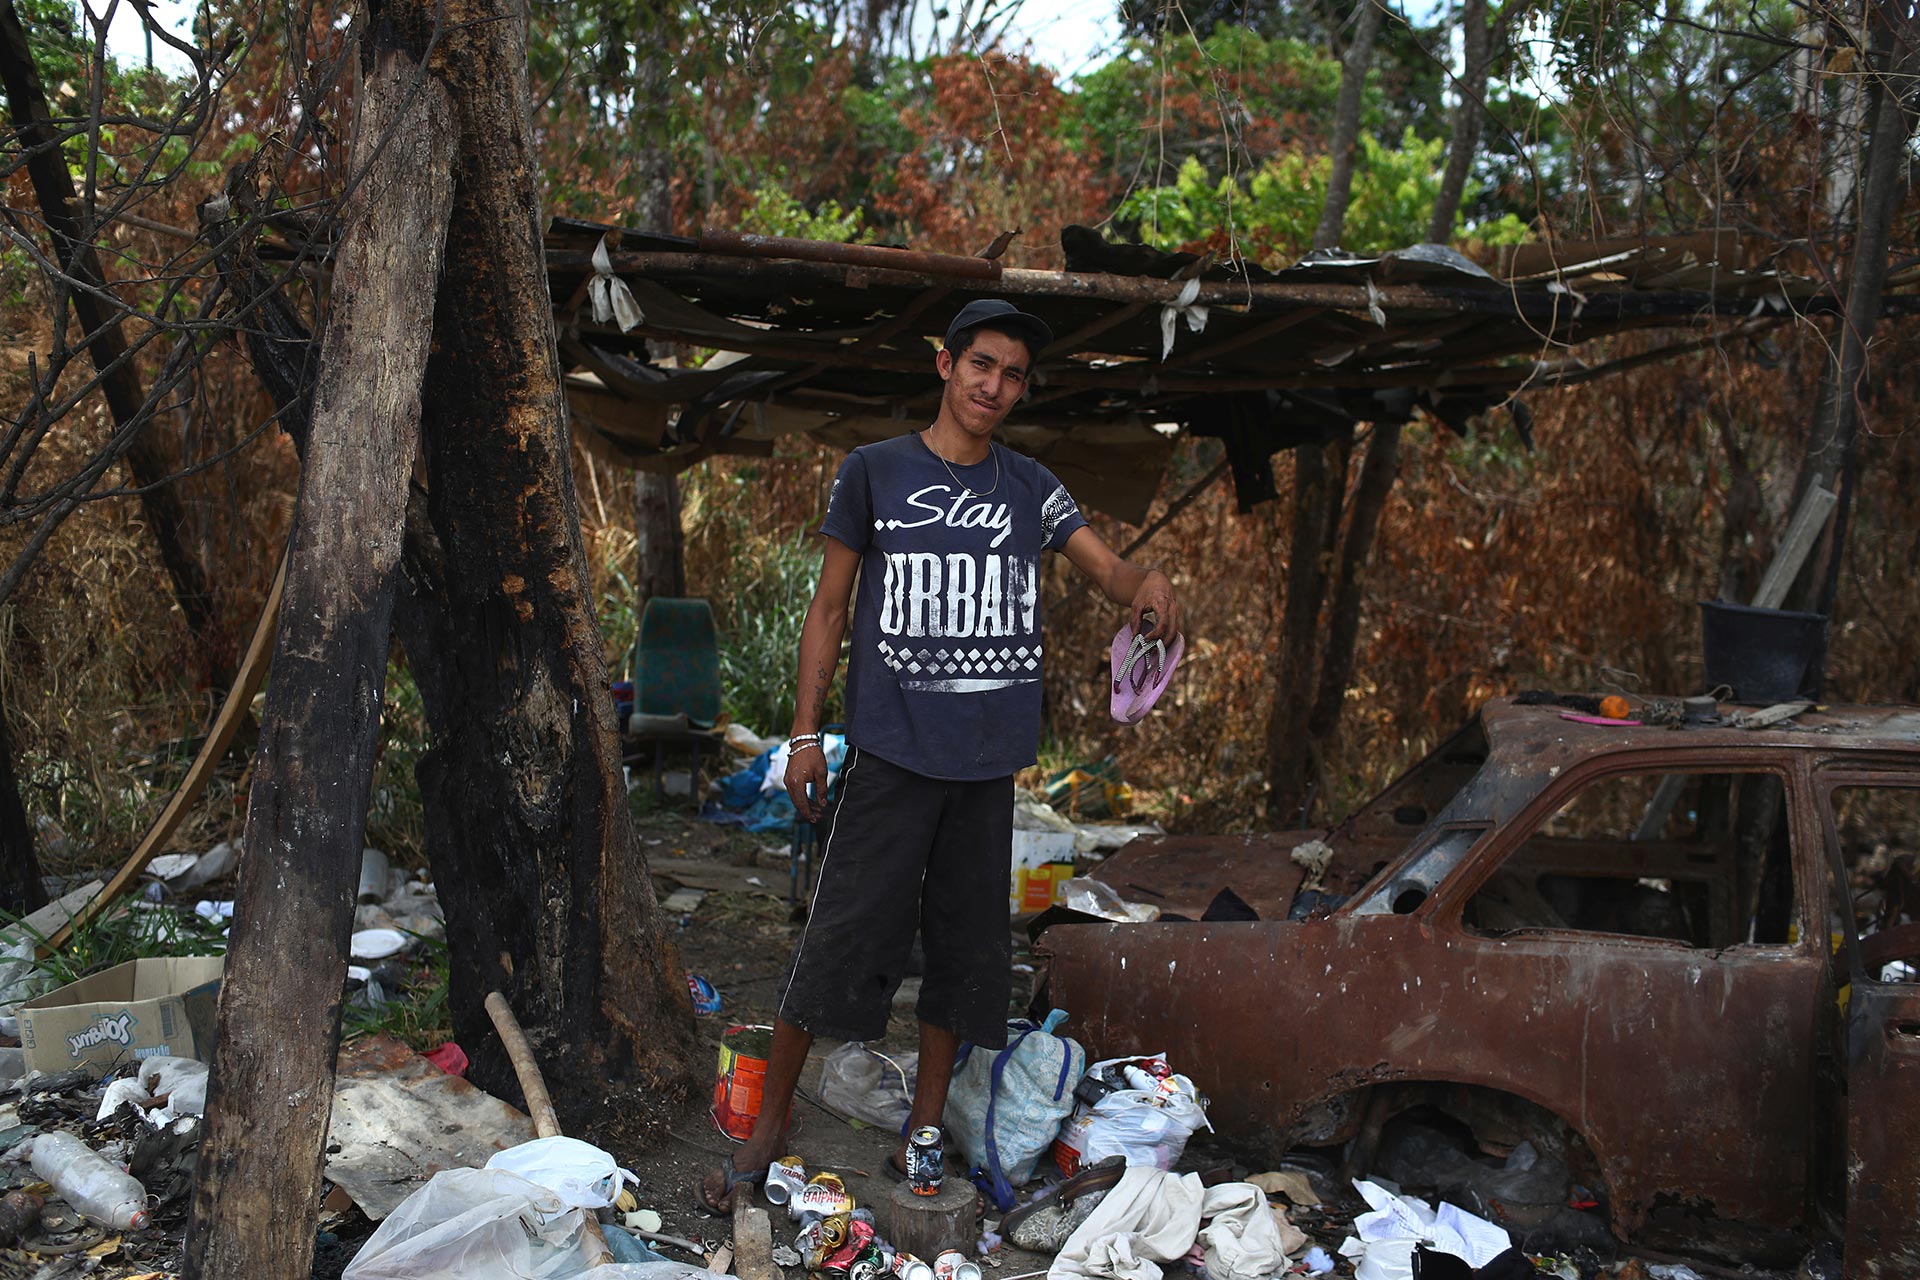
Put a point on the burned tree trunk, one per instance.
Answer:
(257, 1193)
(546, 894)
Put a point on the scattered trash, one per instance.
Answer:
(377, 944)
(581, 1174)
(1384, 1239)
(374, 868)
(869, 1085)
(1136, 1108)
(1098, 899)
(1291, 1183)
(1152, 1216)
(1089, 790)
(476, 1224)
(218, 912)
(739, 1079)
(706, 997)
(450, 1058)
(1318, 1261)
(19, 1213)
(1315, 856)
(646, 1220)
(21, 977)
(785, 1256)
(102, 1192)
(1023, 1092)
(397, 1118)
(134, 1010)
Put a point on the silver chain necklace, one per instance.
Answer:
(964, 491)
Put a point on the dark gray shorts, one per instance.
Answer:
(898, 852)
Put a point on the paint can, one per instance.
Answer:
(741, 1079)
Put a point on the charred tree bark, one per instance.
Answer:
(546, 893)
(1316, 506)
(1368, 15)
(73, 249)
(1377, 475)
(257, 1192)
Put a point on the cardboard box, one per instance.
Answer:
(140, 1009)
(1042, 862)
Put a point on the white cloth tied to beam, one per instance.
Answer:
(611, 298)
(1151, 1217)
(1182, 306)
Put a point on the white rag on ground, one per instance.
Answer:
(1152, 1216)
(1388, 1234)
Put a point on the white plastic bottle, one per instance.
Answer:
(89, 1183)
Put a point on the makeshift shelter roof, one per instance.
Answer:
(835, 340)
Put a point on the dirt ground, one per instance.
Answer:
(739, 939)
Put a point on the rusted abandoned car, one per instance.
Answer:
(1679, 947)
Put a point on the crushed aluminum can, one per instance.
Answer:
(784, 1180)
(954, 1265)
(706, 997)
(907, 1267)
(824, 1193)
(867, 1264)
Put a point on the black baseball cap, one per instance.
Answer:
(1002, 316)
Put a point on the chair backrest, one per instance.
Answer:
(677, 662)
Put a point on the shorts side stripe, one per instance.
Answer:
(826, 850)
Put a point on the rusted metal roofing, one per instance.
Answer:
(834, 340)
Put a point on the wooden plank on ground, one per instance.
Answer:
(752, 1241)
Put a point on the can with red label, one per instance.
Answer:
(954, 1265)
(926, 1163)
(908, 1267)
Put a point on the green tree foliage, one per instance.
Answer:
(1270, 216)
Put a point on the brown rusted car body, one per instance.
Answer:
(1762, 1089)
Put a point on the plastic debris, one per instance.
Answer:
(98, 1190)
(1383, 1249)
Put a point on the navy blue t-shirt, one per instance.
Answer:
(944, 678)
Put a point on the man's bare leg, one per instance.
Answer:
(769, 1138)
(937, 1049)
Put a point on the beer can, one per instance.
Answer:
(907, 1267)
(823, 1193)
(784, 1180)
(954, 1265)
(867, 1264)
(925, 1161)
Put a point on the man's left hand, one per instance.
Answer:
(1155, 596)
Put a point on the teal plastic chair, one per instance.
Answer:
(676, 683)
(676, 669)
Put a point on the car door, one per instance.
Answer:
(1674, 984)
(1871, 821)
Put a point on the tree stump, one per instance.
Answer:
(927, 1226)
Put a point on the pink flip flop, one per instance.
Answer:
(1142, 669)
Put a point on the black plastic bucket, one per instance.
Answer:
(1763, 655)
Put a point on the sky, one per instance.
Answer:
(1068, 35)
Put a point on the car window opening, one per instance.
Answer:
(1879, 833)
(1702, 859)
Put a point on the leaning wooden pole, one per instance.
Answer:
(257, 1195)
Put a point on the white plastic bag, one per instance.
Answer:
(870, 1086)
(475, 1224)
(1146, 1128)
(579, 1173)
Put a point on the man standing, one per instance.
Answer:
(944, 529)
